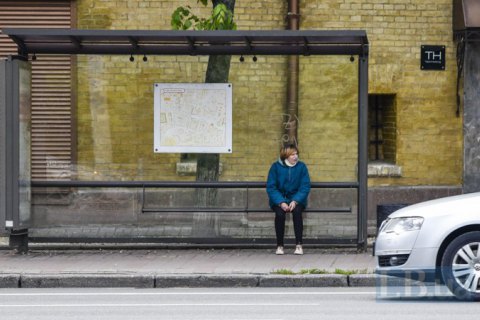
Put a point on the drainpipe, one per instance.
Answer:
(291, 124)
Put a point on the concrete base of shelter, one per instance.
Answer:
(120, 213)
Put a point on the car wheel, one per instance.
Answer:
(461, 266)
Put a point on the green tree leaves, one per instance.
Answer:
(221, 18)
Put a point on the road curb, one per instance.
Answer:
(362, 280)
(313, 280)
(89, 280)
(205, 281)
(86, 281)
(9, 280)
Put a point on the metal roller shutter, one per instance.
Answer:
(52, 104)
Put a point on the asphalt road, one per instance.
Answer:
(232, 304)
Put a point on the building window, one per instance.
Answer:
(382, 124)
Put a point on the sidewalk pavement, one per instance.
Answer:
(161, 268)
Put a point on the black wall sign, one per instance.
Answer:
(432, 58)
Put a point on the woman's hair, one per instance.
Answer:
(287, 150)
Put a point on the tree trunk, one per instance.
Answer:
(208, 164)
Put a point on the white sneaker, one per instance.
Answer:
(279, 251)
(298, 249)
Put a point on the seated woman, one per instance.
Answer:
(288, 186)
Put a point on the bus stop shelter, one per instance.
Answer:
(14, 180)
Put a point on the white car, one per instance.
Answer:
(438, 238)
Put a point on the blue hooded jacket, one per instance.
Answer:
(287, 184)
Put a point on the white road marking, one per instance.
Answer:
(85, 305)
(182, 293)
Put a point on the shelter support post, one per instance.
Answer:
(362, 229)
(18, 241)
(15, 156)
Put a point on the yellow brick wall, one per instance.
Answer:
(328, 117)
(115, 96)
(429, 136)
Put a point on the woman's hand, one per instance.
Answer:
(292, 206)
(285, 207)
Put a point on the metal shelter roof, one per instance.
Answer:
(162, 42)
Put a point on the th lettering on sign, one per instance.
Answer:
(432, 57)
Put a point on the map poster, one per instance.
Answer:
(193, 117)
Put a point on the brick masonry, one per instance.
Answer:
(115, 96)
